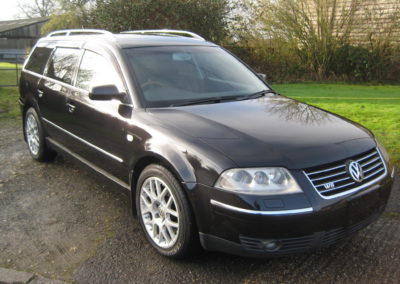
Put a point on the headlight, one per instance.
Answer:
(260, 181)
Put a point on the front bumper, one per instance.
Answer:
(240, 225)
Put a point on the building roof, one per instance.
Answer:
(15, 24)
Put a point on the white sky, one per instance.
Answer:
(9, 9)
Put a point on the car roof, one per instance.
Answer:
(130, 40)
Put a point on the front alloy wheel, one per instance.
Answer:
(164, 213)
(159, 212)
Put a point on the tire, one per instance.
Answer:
(164, 213)
(35, 138)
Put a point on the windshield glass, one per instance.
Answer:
(173, 75)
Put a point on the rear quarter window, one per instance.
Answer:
(38, 59)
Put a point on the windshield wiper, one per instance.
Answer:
(257, 95)
(213, 100)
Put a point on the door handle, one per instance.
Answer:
(71, 107)
(40, 93)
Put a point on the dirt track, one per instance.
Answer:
(63, 223)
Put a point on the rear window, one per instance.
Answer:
(63, 64)
(38, 59)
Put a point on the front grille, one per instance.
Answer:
(330, 180)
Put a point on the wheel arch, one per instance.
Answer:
(182, 175)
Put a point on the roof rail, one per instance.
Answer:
(166, 32)
(78, 32)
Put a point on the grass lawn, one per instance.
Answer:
(9, 107)
(8, 95)
(375, 107)
(8, 77)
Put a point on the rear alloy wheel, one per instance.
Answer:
(32, 134)
(35, 138)
(164, 213)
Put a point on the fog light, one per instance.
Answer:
(272, 245)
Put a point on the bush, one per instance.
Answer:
(283, 63)
(272, 57)
(352, 63)
(320, 40)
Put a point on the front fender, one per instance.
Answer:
(189, 158)
(172, 156)
(191, 163)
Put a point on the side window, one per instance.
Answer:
(38, 59)
(63, 63)
(95, 70)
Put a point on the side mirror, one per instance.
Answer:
(105, 93)
(262, 76)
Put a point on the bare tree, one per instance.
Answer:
(71, 14)
(39, 8)
(317, 27)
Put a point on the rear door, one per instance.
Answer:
(54, 88)
(100, 129)
(33, 70)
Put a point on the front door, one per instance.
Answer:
(99, 128)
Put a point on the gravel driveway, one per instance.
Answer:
(61, 222)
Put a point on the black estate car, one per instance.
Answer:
(209, 153)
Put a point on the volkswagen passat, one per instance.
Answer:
(208, 151)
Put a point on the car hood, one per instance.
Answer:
(270, 131)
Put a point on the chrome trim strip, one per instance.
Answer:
(372, 167)
(91, 165)
(264, 213)
(370, 162)
(325, 177)
(84, 141)
(327, 170)
(68, 32)
(166, 31)
(32, 73)
(373, 173)
(348, 192)
(366, 157)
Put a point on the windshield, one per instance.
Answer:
(174, 75)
